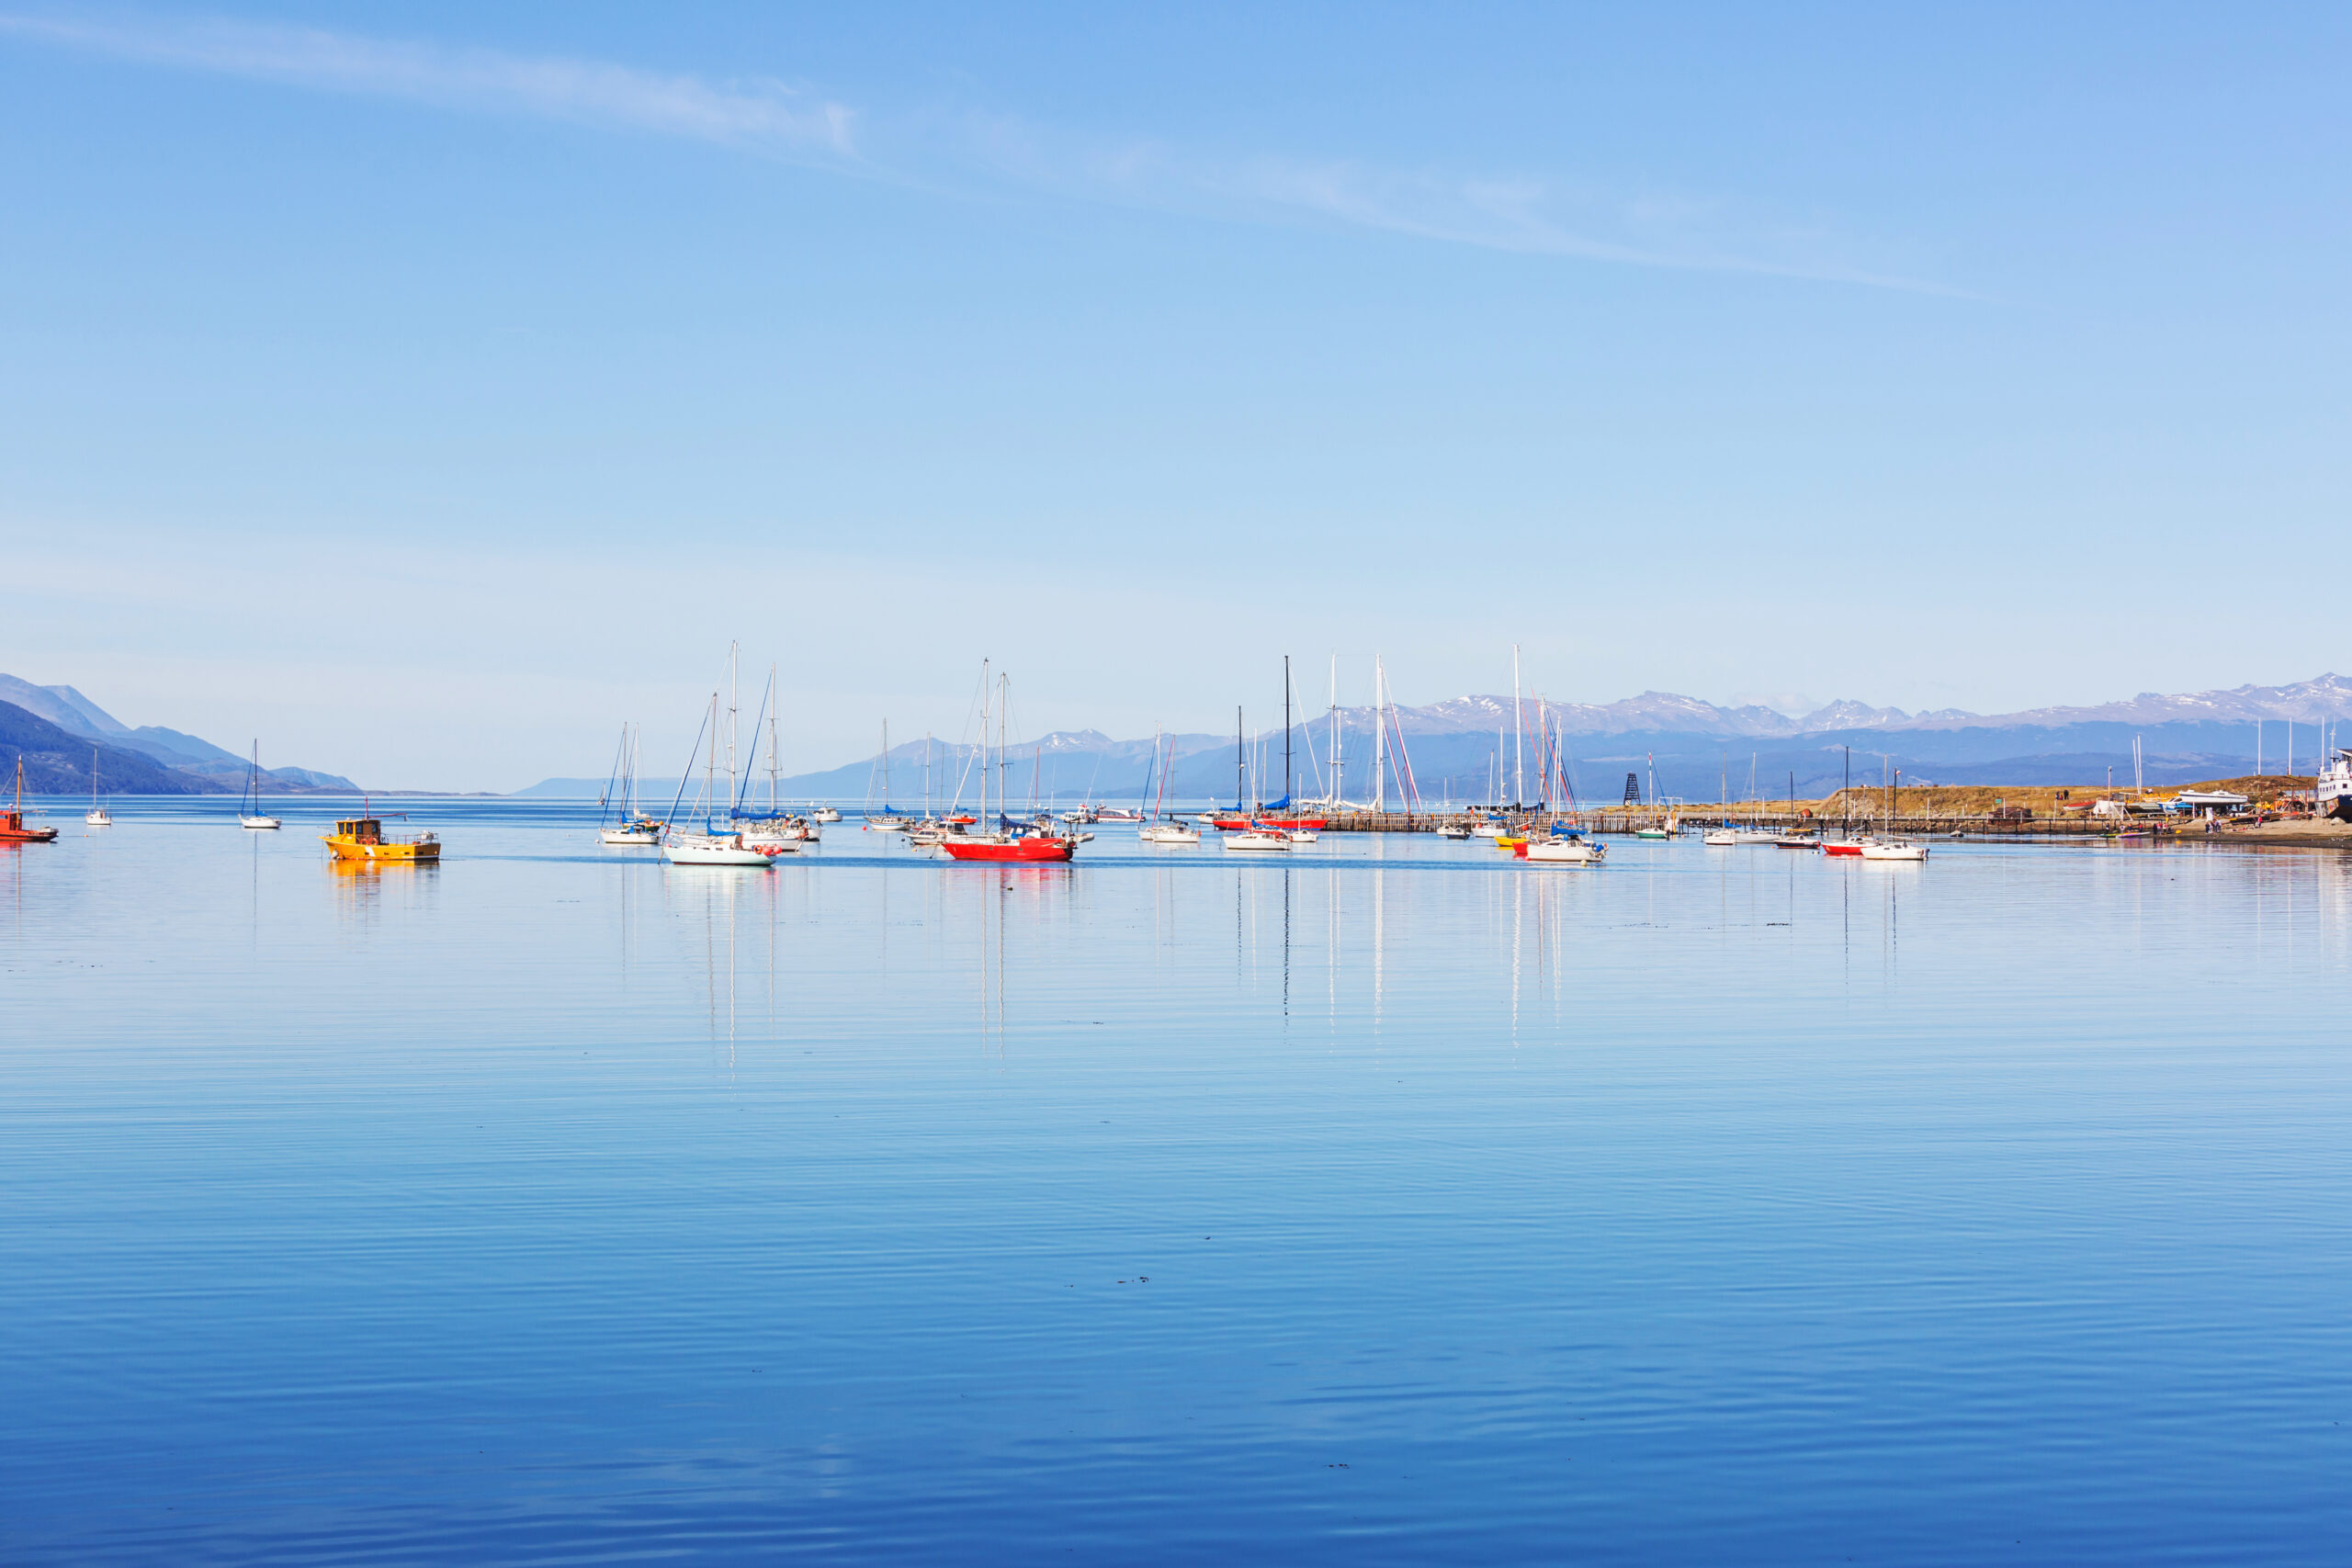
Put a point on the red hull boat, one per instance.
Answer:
(1038, 849)
(12, 823)
(1232, 824)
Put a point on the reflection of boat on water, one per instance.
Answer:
(362, 839)
(12, 821)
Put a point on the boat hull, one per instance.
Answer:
(1231, 824)
(622, 837)
(396, 854)
(1571, 853)
(260, 824)
(1027, 852)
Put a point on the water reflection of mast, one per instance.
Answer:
(1285, 944)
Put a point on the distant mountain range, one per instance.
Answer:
(56, 729)
(1696, 750)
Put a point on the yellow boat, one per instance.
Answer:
(362, 837)
(1508, 841)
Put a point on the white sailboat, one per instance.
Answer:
(629, 827)
(98, 815)
(710, 847)
(249, 812)
(778, 832)
(1162, 828)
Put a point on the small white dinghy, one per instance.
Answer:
(1257, 839)
(1302, 836)
(1722, 839)
(1169, 833)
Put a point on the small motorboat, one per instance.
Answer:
(888, 824)
(1302, 835)
(1893, 848)
(1453, 831)
(1800, 839)
(642, 831)
(1844, 847)
(1257, 839)
(824, 814)
(1722, 839)
(1654, 832)
(1169, 833)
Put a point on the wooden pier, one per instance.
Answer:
(2004, 825)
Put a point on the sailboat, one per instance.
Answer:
(249, 810)
(96, 816)
(1162, 829)
(710, 847)
(777, 831)
(1025, 842)
(12, 822)
(887, 819)
(630, 826)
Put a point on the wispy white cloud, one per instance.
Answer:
(764, 116)
(1524, 214)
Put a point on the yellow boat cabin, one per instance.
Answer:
(362, 837)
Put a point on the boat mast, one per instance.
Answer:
(775, 698)
(734, 713)
(710, 765)
(1339, 779)
(1285, 734)
(1379, 734)
(1240, 761)
(1518, 738)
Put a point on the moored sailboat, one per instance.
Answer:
(1028, 843)
(249, 811)
(98, 815)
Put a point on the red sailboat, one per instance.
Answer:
(12, 822)
(1026, 845)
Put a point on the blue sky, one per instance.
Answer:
(504, 364)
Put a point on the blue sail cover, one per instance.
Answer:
(1282, 805)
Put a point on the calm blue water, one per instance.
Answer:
(1393, 1203)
